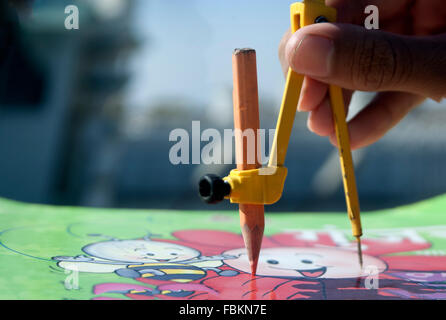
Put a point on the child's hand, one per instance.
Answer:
(405, 61)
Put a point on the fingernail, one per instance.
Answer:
(308, 122)
(312, 56)
(299, 104)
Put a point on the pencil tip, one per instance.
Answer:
(253, 241)
(253, 264)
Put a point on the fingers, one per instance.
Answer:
(353, 11)
(378, 117)
(312, 94)
(430, 17)
(283, 61)
(369, 60)
(320, 120)
(313, 91)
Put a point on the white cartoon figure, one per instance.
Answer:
(145, 258)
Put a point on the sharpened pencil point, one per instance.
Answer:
(253, 264)
(358, 239)
(252, 236)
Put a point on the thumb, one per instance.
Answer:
(369, 60)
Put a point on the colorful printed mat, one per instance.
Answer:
(77, 253)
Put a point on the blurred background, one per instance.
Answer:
(85, 115)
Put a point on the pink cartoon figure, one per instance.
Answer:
(301, 265)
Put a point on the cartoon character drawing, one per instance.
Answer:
(295, 266)
(146, 259)
(207, 264)
(301, 262)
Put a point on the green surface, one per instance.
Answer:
(31, 234)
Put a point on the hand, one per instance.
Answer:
(405, 61)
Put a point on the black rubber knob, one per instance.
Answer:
(320, 19)
(213, 189)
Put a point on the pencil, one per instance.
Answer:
(246, 118)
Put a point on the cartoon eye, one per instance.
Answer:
(174, 254)
(150, 254)
(272, 261)
(306, 261)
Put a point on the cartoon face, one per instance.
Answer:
(307, 263)
(140, 251)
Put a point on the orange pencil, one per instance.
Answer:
(246, 117)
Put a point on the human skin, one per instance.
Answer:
(404, 61)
